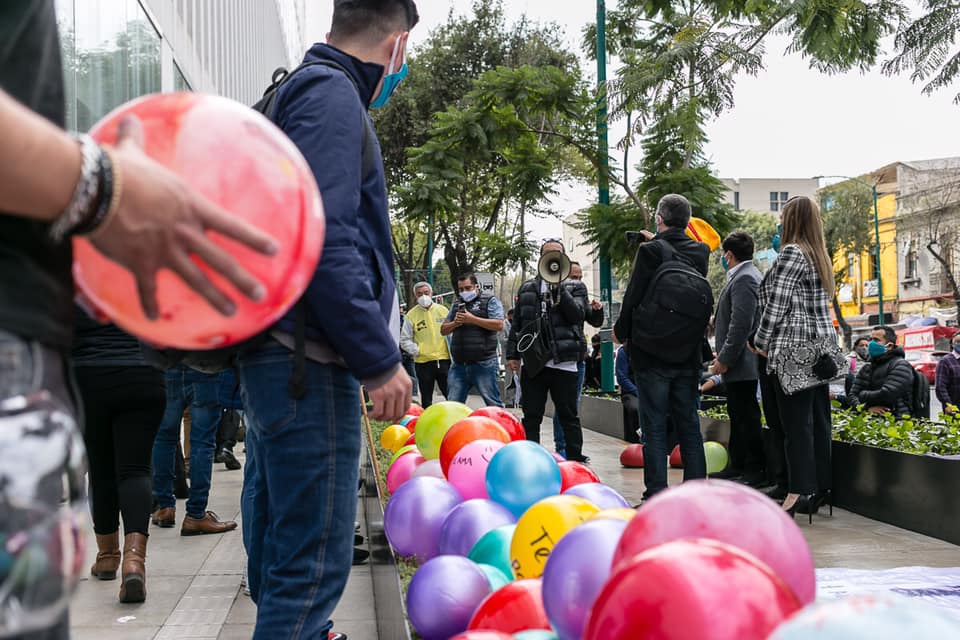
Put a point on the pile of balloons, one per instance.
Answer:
(714, 452)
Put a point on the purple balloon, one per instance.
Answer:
(601, 495)
(573, 577)
(414, 514)
(467, 523)
(443, 594)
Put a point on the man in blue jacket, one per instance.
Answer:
(304, 418)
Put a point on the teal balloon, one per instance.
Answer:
(496, 577)
(538, 634)
(494, 549)
(716, 455)
(879, 616)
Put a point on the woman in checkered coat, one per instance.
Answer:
(795, 332)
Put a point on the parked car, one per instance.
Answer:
(925, 362)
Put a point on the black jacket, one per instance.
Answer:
(593, 316)
(644, 265)
(886, 381)
(567, 314)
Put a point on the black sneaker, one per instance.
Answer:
(333, 635)
(218, 457)
(360, 556)
(229, 460)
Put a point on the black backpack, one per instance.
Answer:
(218, 360)
(672, 317)
(920, 404)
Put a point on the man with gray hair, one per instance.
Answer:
(663, 322)
(431, 354)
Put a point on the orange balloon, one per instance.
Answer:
(466, 431)
(239, 160)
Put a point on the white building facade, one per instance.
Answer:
(767, 194)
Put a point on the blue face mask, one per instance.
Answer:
(956, 348)
(776, 238)
(391, 80)
(724, 263)
(875, 349)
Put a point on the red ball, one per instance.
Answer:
(506, 419)
(691, 590)
(411, 440)
(412, 424)
(414, 410)
(511, 609)
(466, 431)
(675, 461)
(574, 473)
(482, 635)
(240, 161)
(632, 456)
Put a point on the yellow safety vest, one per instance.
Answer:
(426, 332)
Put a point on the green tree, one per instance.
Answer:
(927, 47)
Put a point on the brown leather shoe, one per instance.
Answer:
(108, 557)
(209, 523)
(166, 517)
(133, 574)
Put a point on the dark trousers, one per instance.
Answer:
(807, 432)
(429, 373)
(631, 418)
(776, 457)
(746, 439)
(563, 387)
(228, 429)
(123, 407)
(411, 370)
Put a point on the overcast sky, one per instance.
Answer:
(789, 121)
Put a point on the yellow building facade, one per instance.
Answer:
(858, 291)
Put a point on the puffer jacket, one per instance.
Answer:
(886, 381)
(566, 319)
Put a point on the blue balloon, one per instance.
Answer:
(443, 594)
(496, 577)
(468, 522)
(576, 571)
(601, 495)
(874, 616)
(521, 474)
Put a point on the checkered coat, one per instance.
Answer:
(795, 326)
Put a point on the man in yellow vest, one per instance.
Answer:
(431, 354)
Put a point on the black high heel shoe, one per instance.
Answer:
(803, 504)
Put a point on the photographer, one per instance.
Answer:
(473, 325)
(547, 335)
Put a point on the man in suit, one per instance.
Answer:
(736, 320)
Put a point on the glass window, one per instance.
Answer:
(179, 80)
(68, 51)
(736, 200)
(784, 196)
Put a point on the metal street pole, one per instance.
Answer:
(603, 151)
(430, 251)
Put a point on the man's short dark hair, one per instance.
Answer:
(740, 244)
(859, 340)
(888, 333)
(372, 19)
(674, 210)
(472, 277)
(553, 241)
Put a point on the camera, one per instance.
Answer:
(634, 237)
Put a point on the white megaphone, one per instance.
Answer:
(554, 267)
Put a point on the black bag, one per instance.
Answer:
(534, 345)
(671, 319)
(920, 406)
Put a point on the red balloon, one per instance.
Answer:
(411, 440)
(675, 461)
(240, 161)
(574, 473)
(414, 410)
(466, 431)
(511, 609)
(482, 635)
(412, 424)
(506, 419)
(632, 456)
(690, 590)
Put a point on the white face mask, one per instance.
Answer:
(468, 296)
(425, 301)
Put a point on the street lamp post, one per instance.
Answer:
(876, 232)
(603, 151)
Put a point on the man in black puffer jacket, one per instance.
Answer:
(566, 307)
(885, 384)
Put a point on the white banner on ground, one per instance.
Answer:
(939, 587)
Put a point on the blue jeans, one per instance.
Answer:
(200, 391)
(463, 377)
(672, 393)
(302, 500)
(559, 440)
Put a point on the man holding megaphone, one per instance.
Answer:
(546, 337)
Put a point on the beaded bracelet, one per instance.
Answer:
(85, 194)
(110, 202)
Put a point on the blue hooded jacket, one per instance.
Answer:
(351, 297)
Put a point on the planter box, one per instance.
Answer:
(913, 492)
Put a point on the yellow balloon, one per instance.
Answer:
(394, 437)
(624, 513)
(541, 527)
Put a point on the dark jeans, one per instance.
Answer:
(187, 387)
(776, 472)
(483, 375)
(559, 440)
(123, 407)
(673, 393)
(631, 418)
(746, 439)
(562, 387)
(429, 373)
(300, 491)
(228, 429)
(807, 437)
(411, 370)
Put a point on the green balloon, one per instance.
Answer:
(495, 576)
(716, 455)
(494, 549)
(402, 450)
(434, 423)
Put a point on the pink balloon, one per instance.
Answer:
(402, 470)
(429, 469)
(468, 469)
(731, 513)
